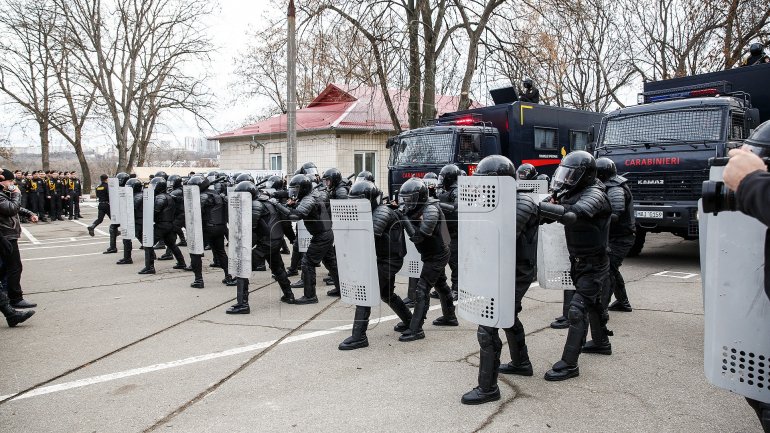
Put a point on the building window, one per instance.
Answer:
(578, 140)
(365, 161)
(546, 139)
(275, 161)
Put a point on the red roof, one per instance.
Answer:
(362, 108)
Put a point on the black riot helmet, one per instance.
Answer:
(448, 175)
(430, 179)
(413, 195)
(756, 49)
(158, 184)
(243, 177)
(575, 171)
(298, 171)
(203, 183)
(212, 176)
(367, 190)
(122, 178)
(605, 169)
(247, 186)
(527, 83)
(175, 181)
(759, 140)
(332, 177)
(495, 165)
(135, 184)
(162, 174)
(299, 186)
(526, 171)
(309, 168)
(365, 175)
(274, 182)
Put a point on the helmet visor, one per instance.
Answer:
(430, 183)
(327, 182)
(294, 192)
(409, 202)
(566, 177)
(313, 171)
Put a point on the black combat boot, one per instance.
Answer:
(91, 230)
(14, 317)
(167, 255)
(126, 260)
(421, 306)
(358, 340)
(242, 305)
(567, 367)
(196, 263)
(291, 272)
(600, 343)
(149, 262)
(489, 360)
(410, 292)
(520, 364)
(448, 317)
(229, 280)
(401, 310)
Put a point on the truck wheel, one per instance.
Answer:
(635, 250)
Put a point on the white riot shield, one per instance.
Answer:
(736, 341)
(536, 187)
(192, 218)
(553, 263)
(487, 233)
(127, 225)
(148, 217)
(113, 184)
(356, 258)
(412, 261)
(239, 246)
(303, 236)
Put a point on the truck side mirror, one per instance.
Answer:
(592, 134)
(752, 118)
(391, 141)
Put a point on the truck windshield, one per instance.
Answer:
(689, 126)
(423, 149)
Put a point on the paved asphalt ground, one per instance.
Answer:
(113, 351)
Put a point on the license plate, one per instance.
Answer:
(649, 214)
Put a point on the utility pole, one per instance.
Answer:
(291, 90)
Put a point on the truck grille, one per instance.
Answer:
(676, 186)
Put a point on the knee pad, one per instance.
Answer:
(488, 338)
(575, 314)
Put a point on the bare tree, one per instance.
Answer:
(134, 53)
(26, 74)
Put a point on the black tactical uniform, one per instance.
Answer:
(214, 219)
(122, 179)
(622, 230)
(174, 183)
(164, 209)
(338, 189)
(55, 193)
(757, 55)
(527, 223)
(530, 94)
(136, 187)
(76, 191)
(390, 248)
(448, 198)
(103, 206)
(425, 225)
(312, 209)
(582, 196)
(42, 194)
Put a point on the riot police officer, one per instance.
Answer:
(622, 230)
(336, 186)
(136, 187)
(122, 180)
(527, 223)
(365, 175)
(757, 55)
(103, 206)
(214, 220)
(163, 228)
(447, 180)
(310, 206)
(174, 185)
(431, 181)
(579, 202)
(390, 249)
(530, 94)
(425, 225)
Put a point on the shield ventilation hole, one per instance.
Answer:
(478, 196)
(353, 291)
(476, 305)
(559, 279)
(747, 368)
(345, 212)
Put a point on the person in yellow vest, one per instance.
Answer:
(55, 196)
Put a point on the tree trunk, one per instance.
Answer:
(45, 142)
(78, 145)
(413, 109)
(470, 69)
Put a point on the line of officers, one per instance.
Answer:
(51, 195)
(587, 196)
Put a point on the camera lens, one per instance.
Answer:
(717, 197)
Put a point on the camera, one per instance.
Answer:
(717, 197)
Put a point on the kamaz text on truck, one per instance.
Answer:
(663, 145)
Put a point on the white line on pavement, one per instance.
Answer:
(29, 235)
(86, 225)
(64, 240)
(59, 257)
(186, 361)
(61, 246)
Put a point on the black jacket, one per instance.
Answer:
(752, 198)
(10, 208)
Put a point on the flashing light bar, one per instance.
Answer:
(683, 95)
(467, 120)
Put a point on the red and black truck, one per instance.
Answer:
(662, 146)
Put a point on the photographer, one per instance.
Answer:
(746, 174)
(10, 229)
